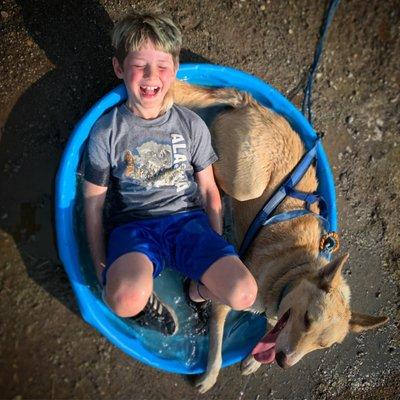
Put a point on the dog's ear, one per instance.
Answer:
(331, 272)
(362, 322)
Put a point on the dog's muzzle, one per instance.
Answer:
(264, 352)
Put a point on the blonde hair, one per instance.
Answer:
(135, 29)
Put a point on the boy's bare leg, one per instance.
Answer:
(228, 281)
(129, 284)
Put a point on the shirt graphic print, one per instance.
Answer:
(157, 165)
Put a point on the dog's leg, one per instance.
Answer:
(242, 142)
(249, 365)
(217, 322)
(240, 135)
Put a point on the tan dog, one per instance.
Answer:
(257, 149)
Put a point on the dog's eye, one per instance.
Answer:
(307, 320)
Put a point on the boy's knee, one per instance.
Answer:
(244, 294)
(127, 303)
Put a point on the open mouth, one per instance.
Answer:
(264, 352)
(149, 91)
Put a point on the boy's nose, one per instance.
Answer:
(150, 71)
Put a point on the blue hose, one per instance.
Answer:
(307, 101)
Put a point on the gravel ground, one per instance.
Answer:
(55, 63)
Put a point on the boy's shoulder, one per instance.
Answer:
(106, 120)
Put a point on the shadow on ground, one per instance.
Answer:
(77, 45)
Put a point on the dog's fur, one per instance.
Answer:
(257, 149)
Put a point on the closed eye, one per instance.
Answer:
(329, 344)
(307, 320)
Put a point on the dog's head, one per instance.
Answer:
(318, 315)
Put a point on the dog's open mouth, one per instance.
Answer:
(264, 352)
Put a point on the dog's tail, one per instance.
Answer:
(200, 97)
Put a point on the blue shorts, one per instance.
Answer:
(184, 242)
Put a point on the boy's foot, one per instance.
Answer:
(155, 315)
(200, 308)
(158, 316)
(194, 290)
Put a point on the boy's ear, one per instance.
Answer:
(117, 68)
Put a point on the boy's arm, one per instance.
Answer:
(211, 197)
(94, 197)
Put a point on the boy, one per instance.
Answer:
(165, 211)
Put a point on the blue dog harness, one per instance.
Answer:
(329, 241)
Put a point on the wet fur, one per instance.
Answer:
(257, 149)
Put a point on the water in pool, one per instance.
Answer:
(242, 330)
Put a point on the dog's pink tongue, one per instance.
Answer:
(264, 352)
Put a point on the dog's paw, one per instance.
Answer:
(205, 382)
(249, 365)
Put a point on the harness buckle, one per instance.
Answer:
(329, 242)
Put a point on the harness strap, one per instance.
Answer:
(308, 198)
(302, 166)
(283, 191)
(285, 216)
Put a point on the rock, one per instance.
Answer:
(377, 137)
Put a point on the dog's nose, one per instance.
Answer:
(281, 359)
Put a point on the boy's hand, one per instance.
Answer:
(211, 197)
(94, 197)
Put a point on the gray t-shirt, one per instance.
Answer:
(148, 165)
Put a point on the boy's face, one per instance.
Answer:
(148, 74)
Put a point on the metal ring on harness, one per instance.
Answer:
(329, 242)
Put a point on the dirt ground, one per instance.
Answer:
(55, 63)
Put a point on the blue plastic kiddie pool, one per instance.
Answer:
(183, 353)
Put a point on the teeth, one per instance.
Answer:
(149, 87)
